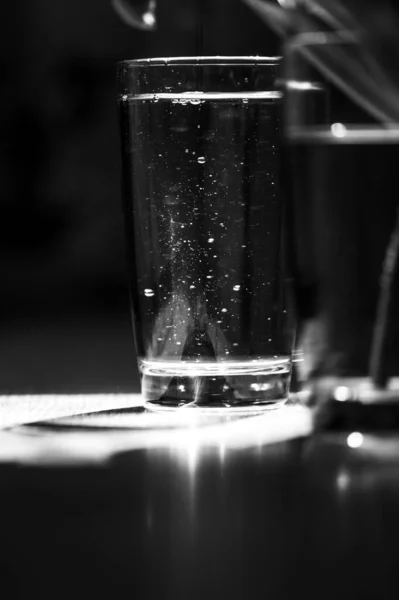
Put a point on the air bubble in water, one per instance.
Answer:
(211, 240)
(224, 309)
(149, 293)
(195, 101)
(201, 160)
(236, 288)
(155, 98)
(245, 100)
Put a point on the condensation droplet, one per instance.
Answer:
(201, 160)
(148, 292)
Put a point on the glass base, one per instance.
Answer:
(239, 386)
(214, 409)
(353, 404)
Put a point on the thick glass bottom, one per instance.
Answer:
(240, 386)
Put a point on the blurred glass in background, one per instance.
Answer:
(342, 138)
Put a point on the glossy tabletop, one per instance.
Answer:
(127, 504)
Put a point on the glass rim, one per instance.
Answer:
(321, 38)
(201, 61)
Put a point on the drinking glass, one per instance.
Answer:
(204, 216)
(342, 145)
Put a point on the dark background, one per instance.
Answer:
(64, 305)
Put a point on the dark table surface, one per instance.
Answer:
(130, 505)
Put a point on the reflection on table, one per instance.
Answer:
(247, 508)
